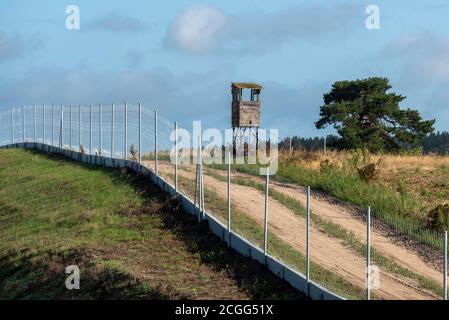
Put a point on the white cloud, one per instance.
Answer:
(203, 29)
(424, 56)
(197, 29)
(421, 64)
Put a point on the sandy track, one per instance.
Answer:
(327, 251)
(343, 217)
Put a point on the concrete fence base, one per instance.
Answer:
(236, 242)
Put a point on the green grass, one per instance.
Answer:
(337, 231)
(397, 209)
(120, 229)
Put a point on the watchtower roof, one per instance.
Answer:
(246, 85)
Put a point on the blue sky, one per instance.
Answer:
(180, 56)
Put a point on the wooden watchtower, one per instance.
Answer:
(245, 111)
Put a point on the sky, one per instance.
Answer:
(180, 56)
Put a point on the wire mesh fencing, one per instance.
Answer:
(354, 254)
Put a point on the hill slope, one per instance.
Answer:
(128, 239)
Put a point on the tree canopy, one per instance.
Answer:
(366, 115)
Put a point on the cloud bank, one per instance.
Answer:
(206, 29)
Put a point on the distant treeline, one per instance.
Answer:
(434, 143)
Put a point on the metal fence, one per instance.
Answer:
(360, 256)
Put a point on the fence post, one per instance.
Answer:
(155, 141)
(202, 181)
(308, 242)
(43, 123)
(445, 265)
(23, 123)
(70, 116)
(229, 198)
(368, 255)
(53, 125)
(325, 145)
(90, 129)
(34, 123)
(196, 189)
(265, 231)
(140, 132)
(80, 125)
(176, 157)
(112, 131)
(125, 151)
(12, 126)
(198, 183)
(61, 134)
(101, 129)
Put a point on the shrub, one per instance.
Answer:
(368, 173)
(326, 166)
(439, 217)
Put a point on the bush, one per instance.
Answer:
(368, 173)
(439, 217)
(326, 166)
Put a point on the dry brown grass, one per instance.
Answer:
(313, 159)
(425, 176)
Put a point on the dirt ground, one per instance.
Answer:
(326, 250)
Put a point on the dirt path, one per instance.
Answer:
(325, 250)
(344, 218)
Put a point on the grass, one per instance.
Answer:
(395, 205)
(128, 238)
(337, 231)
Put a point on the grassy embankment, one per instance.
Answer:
(127, 237)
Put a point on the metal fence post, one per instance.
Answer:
(43, 123)
(101, 129)
(90, 129)
(61, 134)
(80, 125)
(52, 124)
(308, 242)
(155, 141)
(176, 157)
(112, 131)
(202, 181)
(12, 125)
(445, 265)
(23, 123)
(325, 145)
(196, 187)
(368, 255)
(229, 199)
(70, 130)
(265, 228)
(140, 132)
(125, 151)
(34, 123)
